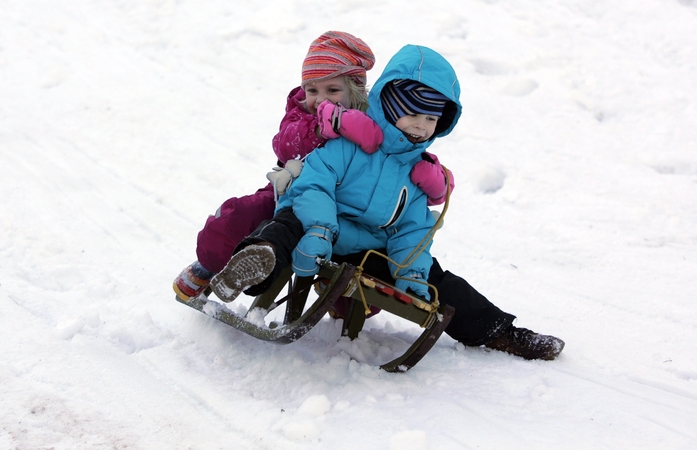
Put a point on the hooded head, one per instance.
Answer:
(336, 53)
(417, 80)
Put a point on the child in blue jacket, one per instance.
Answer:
(347, 201)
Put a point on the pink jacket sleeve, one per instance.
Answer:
(296, 136)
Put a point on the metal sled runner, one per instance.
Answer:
(332, 282)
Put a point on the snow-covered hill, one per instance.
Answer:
(124, 123)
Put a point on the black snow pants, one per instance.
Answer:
(477, 321)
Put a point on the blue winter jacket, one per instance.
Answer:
(369, 201)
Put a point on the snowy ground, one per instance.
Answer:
(123, 124)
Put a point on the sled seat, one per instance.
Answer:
(363, 291)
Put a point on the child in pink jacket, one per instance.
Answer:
(333, 76)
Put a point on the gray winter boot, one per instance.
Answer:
(527, 344)
(248, 267)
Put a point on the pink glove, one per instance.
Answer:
(429, 175)
(354, 125)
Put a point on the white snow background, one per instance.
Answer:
(123, 124)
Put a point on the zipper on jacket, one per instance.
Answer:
(403, 195)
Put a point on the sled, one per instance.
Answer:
(332, 281)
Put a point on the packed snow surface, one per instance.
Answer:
(124, 124)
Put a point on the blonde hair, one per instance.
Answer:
(358, 93)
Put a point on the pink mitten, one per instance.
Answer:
(354, 125)
(429, 175)
(327, 116)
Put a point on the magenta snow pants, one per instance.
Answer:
(234, 220)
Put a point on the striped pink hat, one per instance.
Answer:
(334, 54)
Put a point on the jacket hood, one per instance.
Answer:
(415, 62)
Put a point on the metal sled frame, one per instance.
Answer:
(337, 280)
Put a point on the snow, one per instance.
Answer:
(123, 124)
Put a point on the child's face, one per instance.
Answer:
(417, 127)
(335, 90)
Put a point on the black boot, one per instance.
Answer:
(527, 344)
(248, 267)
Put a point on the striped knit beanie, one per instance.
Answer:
(334, 54)
(405, 97)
